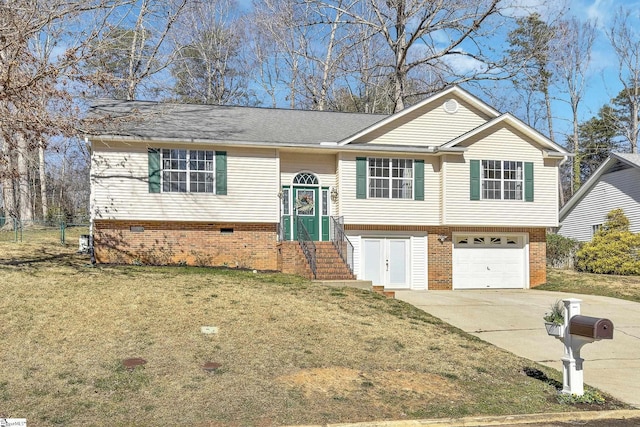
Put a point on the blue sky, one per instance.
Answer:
(603, 82)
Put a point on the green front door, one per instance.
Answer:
(306, 210)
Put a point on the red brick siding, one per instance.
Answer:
(439, 257)
(255, 246)
(537, 257)
(194, 243)
(291, 260)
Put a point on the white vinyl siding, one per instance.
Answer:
(619, 189)
(429, 126)
(419, 268)
(501, 143)
(321, 165)
(388, 211)
(119, 177)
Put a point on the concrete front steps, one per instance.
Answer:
(359, 284)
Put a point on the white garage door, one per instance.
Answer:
(489, 261)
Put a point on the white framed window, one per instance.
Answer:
(390, 178)
(595, 228)
(502, 180)
(190, 171)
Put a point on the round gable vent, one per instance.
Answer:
(451, 106)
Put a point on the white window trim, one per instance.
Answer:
(502, 180)
(188, 171)
(390, 178)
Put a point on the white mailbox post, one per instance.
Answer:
(577, 331)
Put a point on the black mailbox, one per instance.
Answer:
(591, 327)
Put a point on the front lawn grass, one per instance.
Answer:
(623, 287)
(289, 352)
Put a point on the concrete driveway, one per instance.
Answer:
(512, 320)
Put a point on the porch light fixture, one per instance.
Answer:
(334, 194)
(442, 237)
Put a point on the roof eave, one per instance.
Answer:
(593, 179)
(324, 146)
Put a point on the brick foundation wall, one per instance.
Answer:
(440, 255)
(291, 260)
(237, 245)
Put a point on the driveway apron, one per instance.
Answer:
(512, 320)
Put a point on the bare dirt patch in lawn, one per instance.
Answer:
(289, 352)
(339, 380)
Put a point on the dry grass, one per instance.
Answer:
(290, 352)
(623, 287)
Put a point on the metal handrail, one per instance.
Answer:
(307, 245)
(341, 241)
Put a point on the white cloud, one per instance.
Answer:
(600, 11)
(464, 65)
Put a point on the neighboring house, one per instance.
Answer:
(448, 193)
(614, 185)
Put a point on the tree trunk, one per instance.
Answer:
(24, 190)
(43, 181)
(576, 181)
(547, 101)
(7, 181)
(400, 51)
(634, 120)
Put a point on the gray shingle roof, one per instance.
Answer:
(153, 120)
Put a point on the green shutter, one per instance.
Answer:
(419, 180)
(221, 172)
(528, 182)
(475, 179)
(361, 177)
(154, 170)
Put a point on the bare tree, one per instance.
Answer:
(428, 40)
(132, 49)
(575, 40)
(625, 41)
(280, 39)
(324, 59)
(210, 65)
(34, 100)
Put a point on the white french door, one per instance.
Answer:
(386, 262)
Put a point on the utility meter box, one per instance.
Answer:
(591, 327)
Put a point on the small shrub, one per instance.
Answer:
(561, 251)
(613, 250)
(591, 397)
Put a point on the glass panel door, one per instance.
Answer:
(306, 210)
